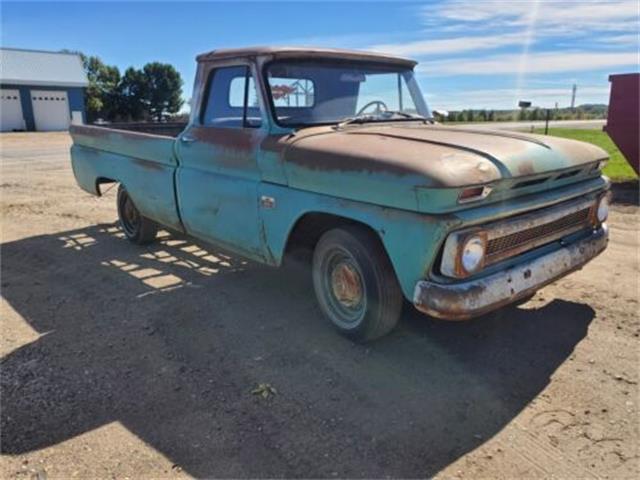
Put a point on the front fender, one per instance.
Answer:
(411, 240)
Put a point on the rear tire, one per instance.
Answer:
(138, 229)
(355, 284)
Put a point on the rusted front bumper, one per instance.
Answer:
(460, 301)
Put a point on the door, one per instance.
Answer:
(50, 110)
(10, 111)
(218, 177)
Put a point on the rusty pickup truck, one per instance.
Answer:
(336, 152)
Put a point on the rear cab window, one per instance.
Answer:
(292, 92)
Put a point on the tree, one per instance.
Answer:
(153, 93)
(132, 92)
(101, 97)
(161, 90)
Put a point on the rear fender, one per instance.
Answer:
(148, 183)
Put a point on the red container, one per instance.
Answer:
(624, 115)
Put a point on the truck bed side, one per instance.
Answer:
(144, 163)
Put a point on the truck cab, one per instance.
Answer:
(337, 153)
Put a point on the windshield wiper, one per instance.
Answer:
(413, 116)
(386, 115)
(356, 119)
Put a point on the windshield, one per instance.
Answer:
(324, 92)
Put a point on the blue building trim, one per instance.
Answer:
(75, 97)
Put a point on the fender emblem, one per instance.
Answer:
(267, 202)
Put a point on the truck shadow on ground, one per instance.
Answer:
(170, 339)
(626, 193)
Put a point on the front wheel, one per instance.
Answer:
(137, 229)
(355, 284)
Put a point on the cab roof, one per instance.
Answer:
(303, 52)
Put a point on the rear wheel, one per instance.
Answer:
(355, 284)
(137, 229)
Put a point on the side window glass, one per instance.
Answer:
(236, 92)
(225, 99)
(236, 99)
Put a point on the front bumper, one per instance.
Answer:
(460, 301)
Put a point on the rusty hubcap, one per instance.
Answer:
(346, 285)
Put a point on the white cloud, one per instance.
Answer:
(554, 17)
(630, 39)
(541, 62)
(521, 43)
(537, 92)
(457, 26)
(507, 98)
(450, 45)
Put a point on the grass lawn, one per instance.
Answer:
(617, 168)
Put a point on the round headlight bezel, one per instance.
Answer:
(472, 253)
(602, 208)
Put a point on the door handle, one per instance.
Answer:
(187, 139)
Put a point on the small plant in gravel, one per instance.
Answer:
(264, 390)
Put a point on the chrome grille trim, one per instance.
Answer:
(499, 245)
(521, 233)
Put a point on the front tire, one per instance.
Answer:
(137, 228)
(355, 283)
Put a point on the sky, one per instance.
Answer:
(471, 53)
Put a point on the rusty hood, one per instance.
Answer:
(444, 156)
(395, 159)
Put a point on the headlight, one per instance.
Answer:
(472, 253)
(603, 208)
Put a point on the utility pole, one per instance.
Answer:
(573, 96)
(546, 121)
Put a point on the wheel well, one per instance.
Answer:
(101, 181)
(311, 226)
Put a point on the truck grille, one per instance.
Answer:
(520, 233)
(519, 241)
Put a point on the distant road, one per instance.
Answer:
(526, 125)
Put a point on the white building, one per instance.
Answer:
(40, 90)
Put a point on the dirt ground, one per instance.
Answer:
(121, 361)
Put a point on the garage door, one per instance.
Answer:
(10, 111)
(50, 110)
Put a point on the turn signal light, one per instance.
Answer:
(473, 194)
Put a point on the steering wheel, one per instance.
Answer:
(377, 103)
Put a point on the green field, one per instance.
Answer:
(617, 168)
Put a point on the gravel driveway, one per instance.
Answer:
(123, 361)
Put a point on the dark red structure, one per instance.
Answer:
(624, 116)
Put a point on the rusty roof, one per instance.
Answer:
(303, 52)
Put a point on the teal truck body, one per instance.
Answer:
(281, 153)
